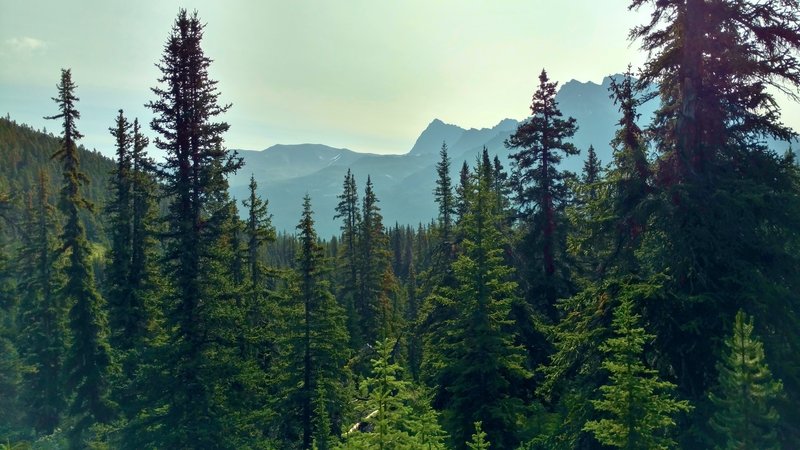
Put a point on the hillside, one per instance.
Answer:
(24, 151)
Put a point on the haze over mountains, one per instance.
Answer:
(404, 183)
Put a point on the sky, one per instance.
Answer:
(368, 75)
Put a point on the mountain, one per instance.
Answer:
(404, 183)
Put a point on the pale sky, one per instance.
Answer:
(368, 75)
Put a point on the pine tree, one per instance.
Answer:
(43, 314)
(541, 193)
(745, 416)
(639, 404)
(89, 361)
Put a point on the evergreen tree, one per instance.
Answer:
(726, 204)
(479, 362)
(258, 232)
(193, 404)
(443, 195)
(745, 416)
(43, 314)
(541, 193)
(377, 283)
(312, 372)
(639, 404)
(88, 362)
(478, 441)
(461, 189)
(395, 416)
(349, 211)
(591, 172)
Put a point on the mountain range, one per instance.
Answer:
(404, 183)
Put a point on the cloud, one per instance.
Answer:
(25, 44)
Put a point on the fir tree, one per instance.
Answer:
(639, 404)
(88, 362)
(745, 416)
(541, 193)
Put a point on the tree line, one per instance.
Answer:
(647, 303)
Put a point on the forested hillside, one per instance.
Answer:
(24, 152)
(650, 303)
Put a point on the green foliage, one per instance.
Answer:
(638, 406)
(310, 371)
(397, 418)
(478, 441)
(88, 362)
(745, 416)
(541, 194)
(43, 337)
(477, 360)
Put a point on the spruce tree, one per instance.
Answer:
(443, 195)
(394, 413)
(349, 211)
(377, 282)
(89, 361)
(541, 193)
(43, 314)
(480, 363)
(591, 171)
(638, 405)
(460, 200)
(315, 339)
(744, 414)
(193, 404)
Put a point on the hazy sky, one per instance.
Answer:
(368, 75)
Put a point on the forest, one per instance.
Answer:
(648, 302)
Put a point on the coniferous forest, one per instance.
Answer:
(648, 302)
